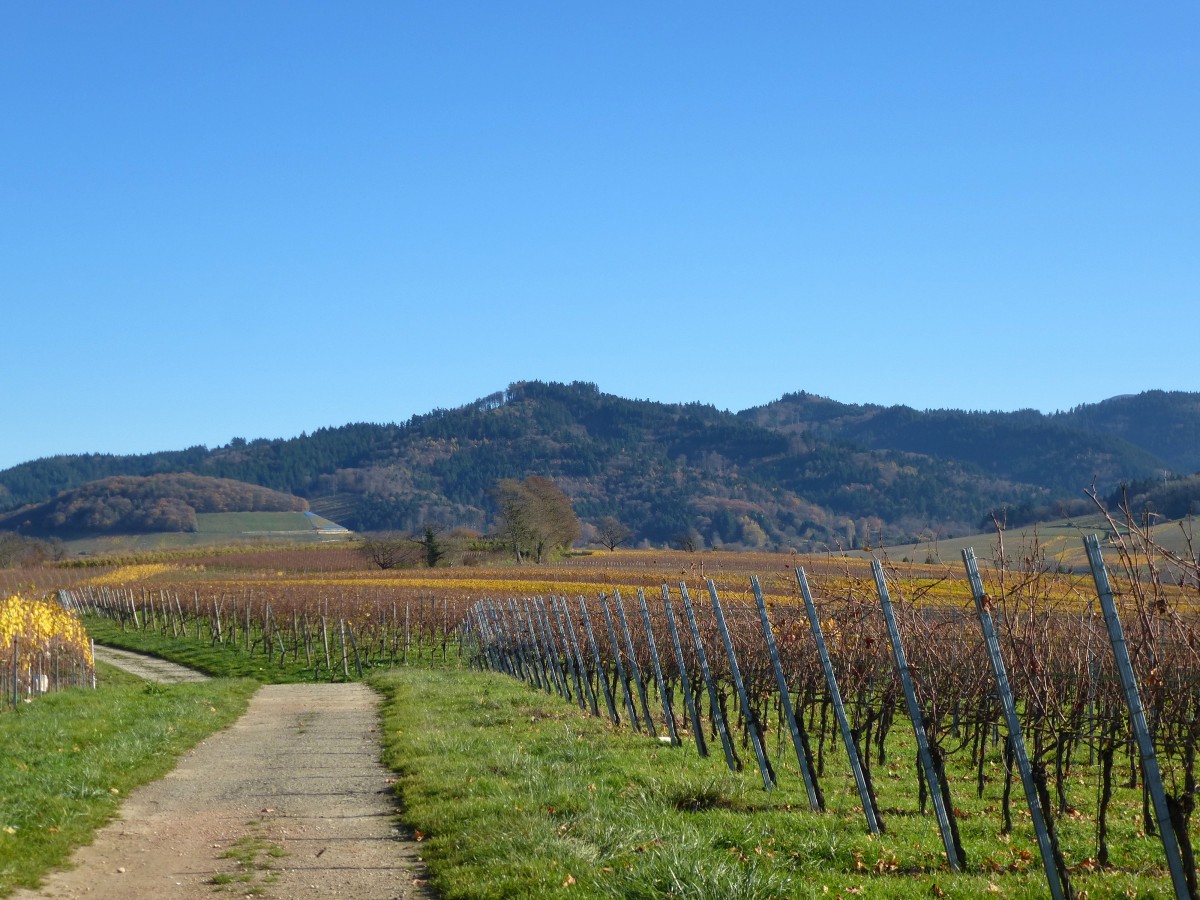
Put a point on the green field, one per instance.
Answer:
(214, 529)
(250, 524)
(1062, 542)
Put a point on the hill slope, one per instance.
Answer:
(1061, 453)
(798, 471)
(131, 504)
(1165, 423)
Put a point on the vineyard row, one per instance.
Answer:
(1064, 685)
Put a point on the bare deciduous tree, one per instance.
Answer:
(612, 533)
(534, 517)
(389, 550)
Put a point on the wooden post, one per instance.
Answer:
(668, 713)
(353, 646)
(633, 666)
(553, 654)
(325, 642)
(307, 643)
(561, 669)
(612, 636)
(517, 631)
(1137, 715)
(731, 757)
(983, 607)
(875, 823)
(689, 702)
(600, 673)
(345, 659)
(516, 641)
(479, 639)
(526, 624)
(579, 666)
(932, 781)
(504, 646)
(170, 610)
(182, 617)
(574, 667)
(815, 801)
(760, 753)
(407, 631)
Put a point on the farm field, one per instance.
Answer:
(214, 530)
(317, 614)
(1059, 539)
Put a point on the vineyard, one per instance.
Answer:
(1038, 666)
(1066, 703)
(47, 648)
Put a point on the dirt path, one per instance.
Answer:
(149, 667)
(291, 801)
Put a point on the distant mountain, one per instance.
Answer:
(1061, 453)
(132, 504)
(1165, 423)
(801, 471)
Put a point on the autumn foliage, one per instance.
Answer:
(40, 637)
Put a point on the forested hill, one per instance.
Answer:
(801, 470)
(1109, 441)
(130, 504)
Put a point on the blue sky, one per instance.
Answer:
(257, 219)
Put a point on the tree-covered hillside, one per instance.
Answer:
(801, 471)
(1055, 452)
(1165, 423)
(131, 504)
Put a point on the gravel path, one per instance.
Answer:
(291, 801)
(149, 667)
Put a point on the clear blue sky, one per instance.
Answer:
(255, 219)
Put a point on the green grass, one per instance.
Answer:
(515, 793)
(213, 660)
(254, 856)
(233, 661)
(68, 759)
(216, 660)
(111, 676)
(213, 529)
(243, 523)
(1062, 541)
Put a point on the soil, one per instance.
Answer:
(291, 801)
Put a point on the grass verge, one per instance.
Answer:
(216, 660)
(515, 793)
(68, 759)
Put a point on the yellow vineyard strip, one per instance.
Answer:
(832, 579)
(37, 625)
(128, 575)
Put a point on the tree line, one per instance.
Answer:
(534, 522)
(144, 504)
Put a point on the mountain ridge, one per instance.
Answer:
(799, 471)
